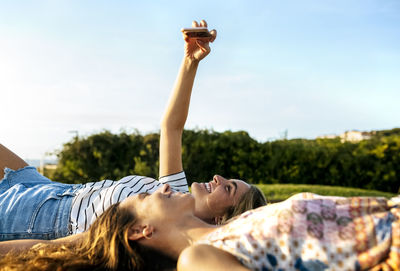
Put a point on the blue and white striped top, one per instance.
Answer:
(94, 198)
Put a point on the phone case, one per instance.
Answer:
(197, 32)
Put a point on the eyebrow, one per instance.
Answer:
(235, 185)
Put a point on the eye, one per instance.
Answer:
(228, 188)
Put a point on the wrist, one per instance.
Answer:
(191, 63)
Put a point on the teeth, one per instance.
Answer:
(208, 187)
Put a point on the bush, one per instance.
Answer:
(369, 164)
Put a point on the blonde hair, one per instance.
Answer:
(253, 198)
(104, 247)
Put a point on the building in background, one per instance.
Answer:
(351, 136)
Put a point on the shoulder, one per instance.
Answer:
(194, 252)
(193, 258)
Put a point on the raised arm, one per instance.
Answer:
(176, 113)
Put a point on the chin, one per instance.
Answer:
(194, 187)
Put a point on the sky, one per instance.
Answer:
(299, 69)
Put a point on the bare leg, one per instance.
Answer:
(10, 160)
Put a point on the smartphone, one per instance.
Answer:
(197, 32)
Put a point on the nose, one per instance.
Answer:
(166, 188)
(219, 179)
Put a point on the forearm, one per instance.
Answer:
(25, 244)
(19, 245)
(178, 106)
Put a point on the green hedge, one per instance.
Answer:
(369, 164)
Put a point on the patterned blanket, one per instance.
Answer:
(312, 232)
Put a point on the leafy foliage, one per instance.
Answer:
(370, 164)
(107, 156)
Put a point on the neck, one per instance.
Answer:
(171, 240)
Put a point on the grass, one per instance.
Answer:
(279, 192)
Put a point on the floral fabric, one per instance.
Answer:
(312, 232)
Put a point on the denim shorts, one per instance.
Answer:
(34, 207)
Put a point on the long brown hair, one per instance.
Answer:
(104, 247)
(253, 198)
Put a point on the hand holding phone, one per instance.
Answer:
(197, 40)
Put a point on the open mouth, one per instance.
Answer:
(207, 187)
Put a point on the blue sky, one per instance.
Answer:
(306, 67)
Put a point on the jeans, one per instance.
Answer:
(34, 207)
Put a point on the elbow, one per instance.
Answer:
(171, 126)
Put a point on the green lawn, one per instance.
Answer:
(278, 192)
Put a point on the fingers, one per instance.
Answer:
(203, 45)
(203, 23)
(213, 35)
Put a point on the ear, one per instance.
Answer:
(137, 232)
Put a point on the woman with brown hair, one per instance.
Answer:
(305, 232)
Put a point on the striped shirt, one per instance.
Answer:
(94, 198)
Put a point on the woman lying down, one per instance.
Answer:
(305, 232)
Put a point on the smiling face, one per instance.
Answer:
(159, 207)
(207, 201)
(212, 199)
